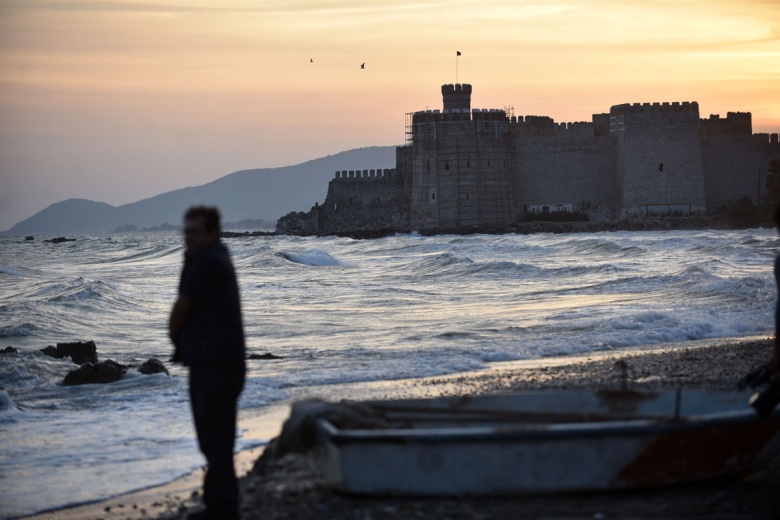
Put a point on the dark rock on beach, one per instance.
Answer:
(153, 366)
(264, 356)
(8, 350)
(79, 352)
(52, 352)
(104, 372)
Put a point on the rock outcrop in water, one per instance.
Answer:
(8, 350)
(91, 371)
(104, 372)
(79, 352)
(267, 355)
(108, 371)
(153, 366)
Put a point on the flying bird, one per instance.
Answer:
(362, 65)
(311, 60)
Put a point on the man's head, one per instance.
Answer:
(201, 227)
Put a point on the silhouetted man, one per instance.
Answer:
(208, 336)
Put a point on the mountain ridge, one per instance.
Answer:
(259, 193)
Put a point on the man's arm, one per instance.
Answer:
(181, 310)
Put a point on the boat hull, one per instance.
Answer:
(644, 441)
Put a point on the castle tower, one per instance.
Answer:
(736, 161)
(460, 168)
(456, 97)
(659, 157)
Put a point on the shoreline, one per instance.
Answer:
(712, 364)
(659, 223)
(162, 498)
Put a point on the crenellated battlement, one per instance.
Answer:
(654, 117)
(456, 97)
(529, 125)
(379, 173)
(457, 114)
(544, 126)
(536, 120)
(457, 87)
(655, 108)
(735, 123)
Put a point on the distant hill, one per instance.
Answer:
(264, 193)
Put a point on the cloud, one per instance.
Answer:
(210, 6)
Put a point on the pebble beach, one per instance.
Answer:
(291, 488)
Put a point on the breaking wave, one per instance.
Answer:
(313, 257)
(9, 271)
(10, 331)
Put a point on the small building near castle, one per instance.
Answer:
(468, 168)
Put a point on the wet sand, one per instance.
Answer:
(290, 488)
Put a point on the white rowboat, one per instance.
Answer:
(547, 441)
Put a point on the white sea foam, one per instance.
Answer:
(313, 257)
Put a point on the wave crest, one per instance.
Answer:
(11, 331)
(313, 257)
(9, 271)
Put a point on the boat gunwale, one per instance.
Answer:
(542, 431)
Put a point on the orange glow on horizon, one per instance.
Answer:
(233, 80)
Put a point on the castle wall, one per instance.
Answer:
(736, 162)
(422, 164)
(470, 168)
(735, 123)
(660, 157)
(363, 199)
(461, 168)
(736, 166)
(580, 171)
(299, 222)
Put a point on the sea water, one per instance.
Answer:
(338, 311)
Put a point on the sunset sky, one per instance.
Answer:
(120, 100)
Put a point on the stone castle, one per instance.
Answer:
(465, 168)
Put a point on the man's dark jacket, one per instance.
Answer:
(213, 331)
